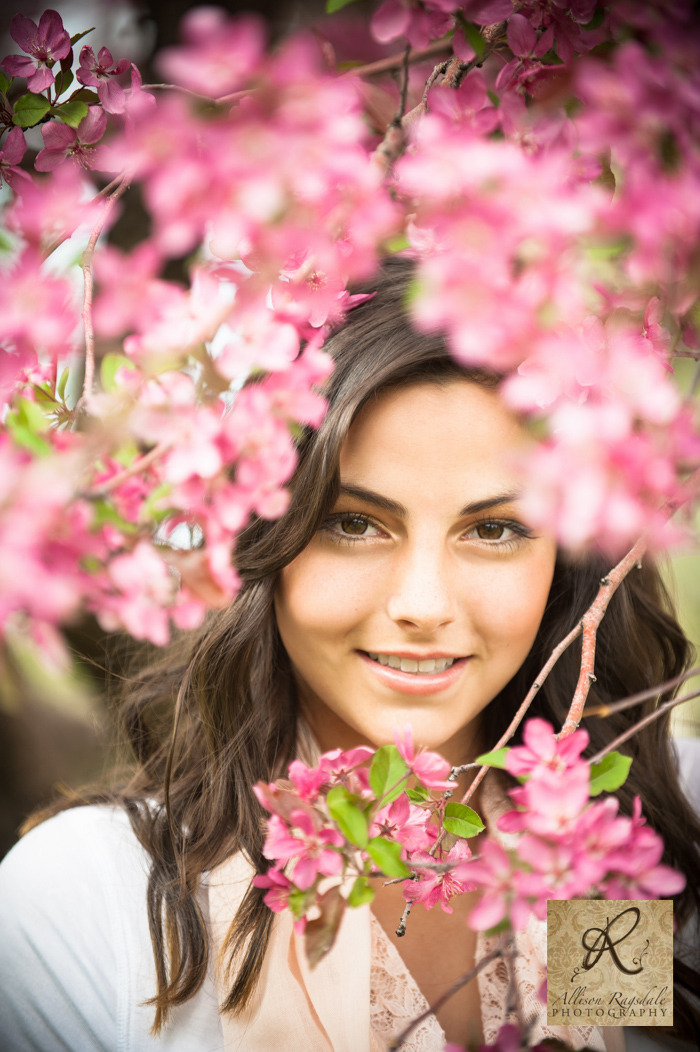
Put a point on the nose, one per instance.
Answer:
(421, 595)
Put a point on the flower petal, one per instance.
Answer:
(18, 66)
(51, 30)
(41, 80)
(23, 30)
(58, 136)
(521, 35)
(112, 96)
(92, 128)
(390, 21)
(15, 147)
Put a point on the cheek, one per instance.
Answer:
(320, 599)
(508, 605)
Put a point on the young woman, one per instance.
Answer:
(404, 585)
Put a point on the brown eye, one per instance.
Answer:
(490, 531)
(353, 526)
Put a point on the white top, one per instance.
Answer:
(76, 961)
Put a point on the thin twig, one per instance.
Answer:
(644, 722)
(526, 703)
(513, 1005)
(604, 710)
(401, 930)
(86, 265)
(137, 465)
(497, 952)
(401, 112)
(394, 62)
(695, 382)
(589, 625)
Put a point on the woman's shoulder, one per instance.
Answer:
(63, 928)
(77, 964)
(60, 854)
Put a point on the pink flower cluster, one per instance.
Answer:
(525, 259)
(354, 814)
(568, 847)
(281, 180)
(599, 289)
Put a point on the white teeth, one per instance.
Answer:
(430, 665)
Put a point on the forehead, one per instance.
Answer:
(443, 437)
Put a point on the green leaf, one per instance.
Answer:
(64, 79)
(71, 112)
(4, 83)
(105, 512)
(494, 759)
(462, 821)
(474, 38)
(85, 95)
(61, 385)
(388, 773)
(418, 796)
(360, 893)
(79, 36)
(28, 439)
(108, 370)
(29, 110)
(31, 416)
(387, 855)
(351, 820)
(398, 243)
(598, 16)
(337, 5)
(610, 773)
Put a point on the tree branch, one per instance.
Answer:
(644, 722)
(137, 465)
(589, 626)
(86, 265)
(604, 710)
(497, 952)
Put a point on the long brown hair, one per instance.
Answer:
(218, 711)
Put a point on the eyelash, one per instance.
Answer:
(520, 531)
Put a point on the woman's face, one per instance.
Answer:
(421, 595)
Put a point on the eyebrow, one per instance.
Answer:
(348, 489)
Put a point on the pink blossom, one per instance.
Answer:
(49, 210)
(46, 44)
(10, 156)
(307, 780)
(36, 307)
(494, 871)
(62, 143)
(542, 748)
(95, 73)
(279, 887)
(337, 764)
(434, 887)
(419, 23)
(487, 12)
(219, 52)
(406, 824)
(635, 868)
(430, 768)
(144, 590)
(310, 848)
(130, 295)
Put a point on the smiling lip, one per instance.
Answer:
(409, 682)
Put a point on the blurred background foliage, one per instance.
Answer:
(58, 731)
